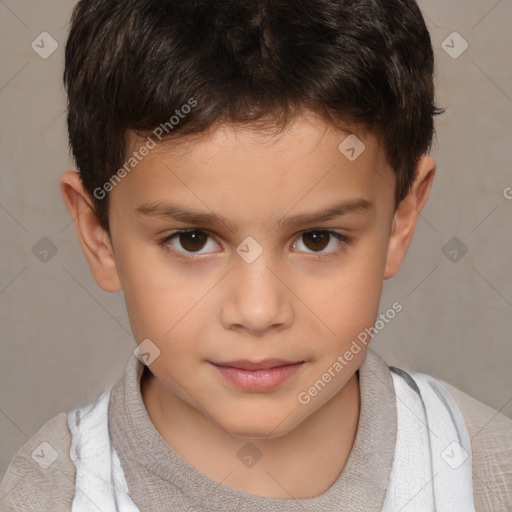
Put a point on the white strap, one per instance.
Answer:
(432, 466)
(100, 483)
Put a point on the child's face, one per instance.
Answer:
(304, 299)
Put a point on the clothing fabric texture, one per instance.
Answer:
(429, 426)
(157, 478)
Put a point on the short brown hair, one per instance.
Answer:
(130, 64)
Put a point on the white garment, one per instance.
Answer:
(100, 483)
(431, 469)
(432, 465)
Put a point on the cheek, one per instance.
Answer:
(351, 296)
(161, 314)
(348, 302)
(157, 293)
(171, 317)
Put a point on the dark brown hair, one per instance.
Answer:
(133, 65)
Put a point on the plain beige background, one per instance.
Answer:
(64, 340)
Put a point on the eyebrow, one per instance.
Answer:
(195, 217)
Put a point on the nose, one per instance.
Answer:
(256, 299)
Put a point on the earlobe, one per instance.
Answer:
(95, 242)
(407, 214)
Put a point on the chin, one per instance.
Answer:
(249, 432)
(262, 426)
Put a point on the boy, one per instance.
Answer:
(250, 173)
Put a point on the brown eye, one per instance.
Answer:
(183, 243)
(192, 240)
(316, 240)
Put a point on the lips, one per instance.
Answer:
(257, 377)
(244, 364)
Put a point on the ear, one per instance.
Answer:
(94, 240)
(407, 214)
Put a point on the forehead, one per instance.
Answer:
(307, 131)
(305, 161)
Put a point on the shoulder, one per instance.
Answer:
(491, 440)
(41, 476)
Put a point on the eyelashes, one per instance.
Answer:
(193, 241)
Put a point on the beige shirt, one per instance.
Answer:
(159, 479)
